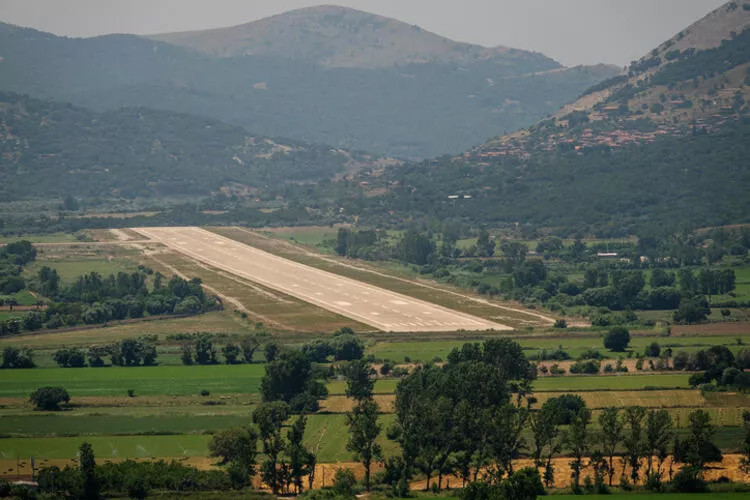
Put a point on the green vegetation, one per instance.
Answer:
(115, 71)
(616, 382)
(115, 381)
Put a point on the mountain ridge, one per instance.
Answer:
(335, 36)
(696, 79)
(409, 111)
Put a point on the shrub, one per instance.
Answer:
(561, 323)
(344, 482)
(590, 354)
(688, 480)
(590, 367)
(70, 358)
(653, 350)
(49, 398)
(680, 361)
(14, 357)
(617, 339)
(556, 370)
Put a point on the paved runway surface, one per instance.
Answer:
(383, 309)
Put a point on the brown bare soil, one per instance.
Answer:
(726, 328)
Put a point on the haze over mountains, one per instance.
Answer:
(321, 75)
(341, 37)
(666, 143)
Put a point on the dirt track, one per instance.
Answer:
(382, 309)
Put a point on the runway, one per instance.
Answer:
(371, 305)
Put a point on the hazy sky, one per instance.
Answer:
(571, 31)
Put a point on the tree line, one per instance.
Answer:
(94, 299)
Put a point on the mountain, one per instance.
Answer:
(340, 37)
(666, 144)
(337, 76)
(50, 150)
(696, 80)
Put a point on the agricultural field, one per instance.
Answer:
(172, 410)
(75, 259)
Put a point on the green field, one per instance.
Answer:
(115, 381)
(211, 322)
(40, 238)
(324, 432)
(574, 345)
(50, 425)
(6, 315)
(70, 269)
(613, 382)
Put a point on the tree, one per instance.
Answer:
(32, 321)
(658, 436)
(660, 278)
(485, 246)
(236, 447)
(289, 378)
(612, 434)
(359, 382)
(269, 417)
(14, 357)
(270, 351)
(87, 462)
(577, 441)
(745, 447)
(318, 350)
(301, 460)
(617, 339)
(564, 407)
(347, 347)
(249, 346)
(416, 248)
(634, 441)
(70, 358)
(699, 447)
(231, 354)
(653, 350)
(545, 431)
(49, 398)
(205, 354)
(363, 433)
(131, 352)
(692, 310)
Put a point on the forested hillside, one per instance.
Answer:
(695, 180)
(666, 143)
(49, 149)
(411, 108)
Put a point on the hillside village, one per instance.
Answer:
(692, 84)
